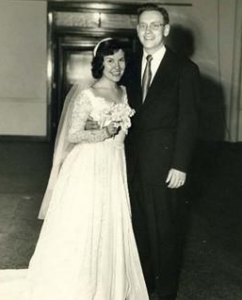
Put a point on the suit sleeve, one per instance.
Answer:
(187, 127)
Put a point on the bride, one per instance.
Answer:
(86, 249)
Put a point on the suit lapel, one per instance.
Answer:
(136, 100)
(162, 78)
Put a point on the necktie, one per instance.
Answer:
(146, 76)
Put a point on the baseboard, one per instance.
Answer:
(23, 138)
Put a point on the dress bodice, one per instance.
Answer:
(88, 105)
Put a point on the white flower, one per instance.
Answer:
(120, 114)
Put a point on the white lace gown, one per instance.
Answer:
(86, 249)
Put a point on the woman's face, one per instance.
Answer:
(114, 66)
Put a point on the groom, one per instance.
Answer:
(163, 88)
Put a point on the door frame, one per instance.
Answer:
(61, 37)
(56, 33)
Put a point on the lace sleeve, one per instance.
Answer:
(81, 111)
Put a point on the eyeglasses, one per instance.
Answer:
(151, 26)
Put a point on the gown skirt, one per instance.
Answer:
(86, 249)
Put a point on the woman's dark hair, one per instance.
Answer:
(105, 48)
(154, 7)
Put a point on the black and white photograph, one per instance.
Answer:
(120, 150)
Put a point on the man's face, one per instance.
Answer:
(152, 30)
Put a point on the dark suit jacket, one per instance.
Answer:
(164, 127)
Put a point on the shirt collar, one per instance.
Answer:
(158, 55)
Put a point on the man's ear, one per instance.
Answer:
(137, 29)
(167, 30)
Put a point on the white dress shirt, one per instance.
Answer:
(155, 62)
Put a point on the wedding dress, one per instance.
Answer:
(86, 249)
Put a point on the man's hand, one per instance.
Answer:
(175, 179)
(91, 125)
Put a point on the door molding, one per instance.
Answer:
(69, 22)
(89, 20)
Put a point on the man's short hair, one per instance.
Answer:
(154, 7)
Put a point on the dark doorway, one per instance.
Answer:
(74, 30)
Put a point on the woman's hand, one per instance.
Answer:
(112, 129)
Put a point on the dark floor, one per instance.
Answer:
(212, 268)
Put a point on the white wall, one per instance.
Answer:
(23, 68)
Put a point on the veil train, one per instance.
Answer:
(62, 146)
